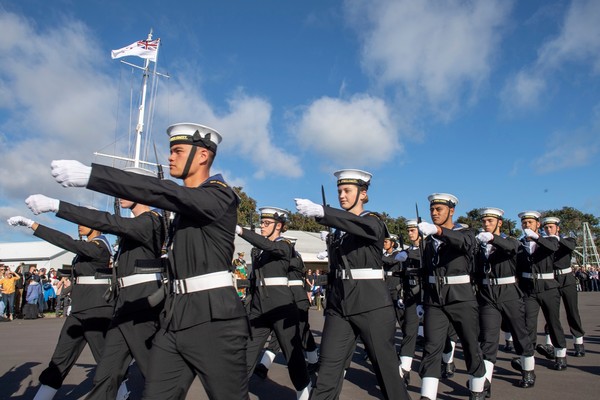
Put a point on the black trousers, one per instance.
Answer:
(464, 317)
(410, 330)
(214, 350)
(125, 339)
(81, 328)
(549, 302)
(491, 316)
(376, 329)
(308, 341)
(283, 321)
(569, 298)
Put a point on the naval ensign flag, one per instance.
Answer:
(147, 49)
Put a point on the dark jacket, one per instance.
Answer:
(201, 238)
(540, 262)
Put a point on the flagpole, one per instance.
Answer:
(142, 108)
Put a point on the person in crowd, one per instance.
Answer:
(8, 284)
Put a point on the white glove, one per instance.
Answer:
(238, 230)
(322, 255)
(484, 237)
(308, 208)
(400, 304)
(38, 203)
(531, 234)
(324, 235)
(70, 173)
(420, 311)
(401, 256)
(19, 221)
(427, 229)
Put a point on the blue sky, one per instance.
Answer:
(497, 102)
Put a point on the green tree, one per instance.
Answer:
(246, 213)
(571, 223)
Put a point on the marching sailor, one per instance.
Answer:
(358, 299)
(204, 328)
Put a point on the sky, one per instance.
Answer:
(496, 102)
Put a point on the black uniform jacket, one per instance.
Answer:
(202, 238)
(501, 263)
(562, 260)
(141, 238)
(540, 262)
(411, 280)
(393, 281)
(452, 258)
(359, 240)
(90, 257)
(273, 261)
(296, 273)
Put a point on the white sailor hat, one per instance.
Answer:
(392, 237)
(491, 212)
(353, 177)
(530, 215)
(443, 198)
(194, 134)
(140, 171)
(278, 214)
(412, 223)
(550, 220)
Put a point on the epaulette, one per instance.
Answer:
(279, 239)
(218, 182)
(371, 213)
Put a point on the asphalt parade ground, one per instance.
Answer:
(27, 346)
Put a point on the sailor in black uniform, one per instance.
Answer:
(567, 286)
(358, 299)
(392, 265)
(204, 328)
(499, 297)
(448, 296)
(90, 313)
(272, 307)
(411, 298)
(134, 323)
(535, 260)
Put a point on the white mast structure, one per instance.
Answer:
(139, 129)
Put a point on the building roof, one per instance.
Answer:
(29, 251)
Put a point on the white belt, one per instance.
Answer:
(450, 280)
(563, 271)
(500, 281)
(537, 276)
(90, 280)
(389, 273)
(138, 278)
(203, 282)
(295, 283)
(363, 273)
(278, 281)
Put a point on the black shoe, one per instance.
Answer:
(448, 370)
(261, 371)
(560, 364)
(527, 379)
(508, 347)
(579, 351)
(313, 368)
(477, 395)
(406, 377)
(516, 364)
(547, 350)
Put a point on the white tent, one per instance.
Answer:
(39, 253)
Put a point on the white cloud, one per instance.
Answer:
(58, 99)
(357, 132)
(434, 52)
(578, 42)
(569, 150)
